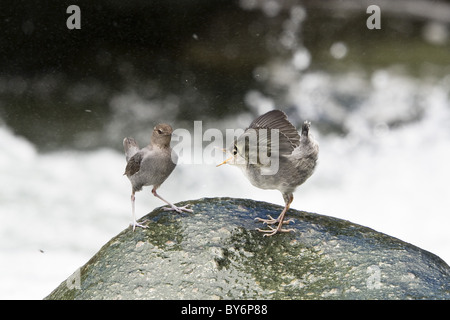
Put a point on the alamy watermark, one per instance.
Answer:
(250, 147)
(74, 20)
(374, 21)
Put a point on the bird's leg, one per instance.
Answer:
(135, 224)
(172, 207)
(271, 231)
(288, 198)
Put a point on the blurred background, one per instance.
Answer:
(378, 101)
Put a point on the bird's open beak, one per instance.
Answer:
(230, 158)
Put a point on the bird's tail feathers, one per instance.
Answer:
(130, 147)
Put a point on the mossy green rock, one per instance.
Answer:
(216, 253)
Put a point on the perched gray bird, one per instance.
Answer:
(150, 166)
(272, 155)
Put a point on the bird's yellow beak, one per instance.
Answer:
(230, 158)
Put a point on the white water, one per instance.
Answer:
(58, 209)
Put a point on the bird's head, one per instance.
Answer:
(162, 135)
(242, 150)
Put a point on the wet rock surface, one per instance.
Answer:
(216, 253)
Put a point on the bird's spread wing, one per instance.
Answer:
(288, 137)
(133, 164)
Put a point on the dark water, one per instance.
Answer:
(132, 65)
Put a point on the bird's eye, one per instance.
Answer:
(160, 131)
(235, 151)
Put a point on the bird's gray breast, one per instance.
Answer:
(156, 166)
(284, 178)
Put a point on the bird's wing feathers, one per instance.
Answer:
(133, 164)
(289, 138)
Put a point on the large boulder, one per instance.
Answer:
(216, 253)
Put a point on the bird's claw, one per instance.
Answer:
(178, 209)
(273, 221)
(136, 224)
(267, 221)
(272, 231)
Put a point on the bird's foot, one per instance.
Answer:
(136, 224)
(272, 220)
(178, 209)
(271, 231)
